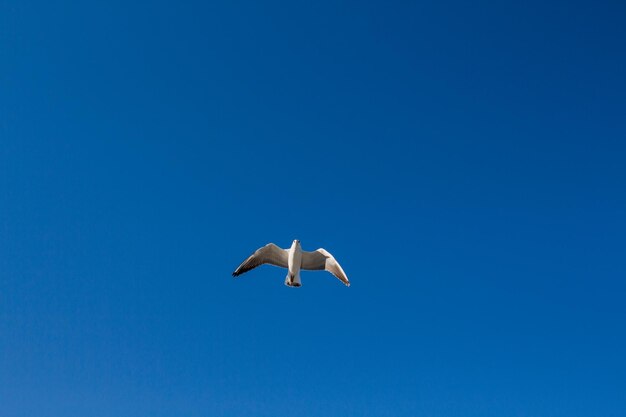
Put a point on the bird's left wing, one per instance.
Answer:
(322, 260)
(268, 254)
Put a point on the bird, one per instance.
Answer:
(294, 259)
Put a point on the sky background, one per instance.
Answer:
(464, 161)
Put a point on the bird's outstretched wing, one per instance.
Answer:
(268, 254)
(322, 260)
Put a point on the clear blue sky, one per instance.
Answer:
(464, 161)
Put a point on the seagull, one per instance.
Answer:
(294, 259)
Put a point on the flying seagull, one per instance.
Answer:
(294, 259)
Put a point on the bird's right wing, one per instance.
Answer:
(322, 260)
(268, 254)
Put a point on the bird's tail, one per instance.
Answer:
(293, 280)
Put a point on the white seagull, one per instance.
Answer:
(294, 259)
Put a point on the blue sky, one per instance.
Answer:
(146, 149)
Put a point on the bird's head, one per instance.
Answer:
(296, 242)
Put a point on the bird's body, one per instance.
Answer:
(294, 259)
(294, 265)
